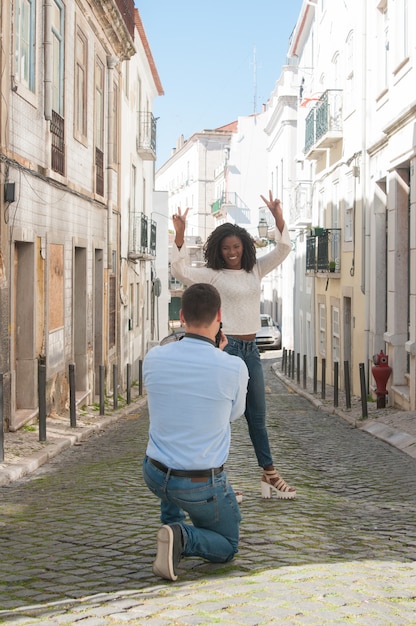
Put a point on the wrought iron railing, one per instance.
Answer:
(99, 171)
(146, 137)
(324, 118)
(231, 203)
(58, 143)
(323, 251)
(142, 236)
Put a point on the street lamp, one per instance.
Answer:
(263, 228)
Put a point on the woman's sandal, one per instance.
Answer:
(271, 481)
(239, 496)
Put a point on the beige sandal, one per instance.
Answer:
(271, 481)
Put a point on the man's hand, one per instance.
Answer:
(223, 341)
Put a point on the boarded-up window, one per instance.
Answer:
(56, 286)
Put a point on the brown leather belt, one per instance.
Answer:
(187, 473)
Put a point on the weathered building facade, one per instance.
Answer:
(62, 167)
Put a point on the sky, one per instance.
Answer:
(216, 60)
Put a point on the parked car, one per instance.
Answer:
(269, 337)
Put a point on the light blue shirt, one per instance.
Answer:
(194, 391)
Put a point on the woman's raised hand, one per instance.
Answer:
(275, 209)
(179, 224)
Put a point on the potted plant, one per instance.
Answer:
(332, 266)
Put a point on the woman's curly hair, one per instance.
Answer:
(212, 247)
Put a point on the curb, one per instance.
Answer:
(16, 471)
(393, 436)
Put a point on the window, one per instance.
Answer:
(57, 17)
(349, 83)
(349, 207)
(383, 47)
(115, 125)
(99, 127)
(25, 43)
(57, 121)
(137, 303)
(402, 32)
(322, 329)
(335, 334)
(81, 64)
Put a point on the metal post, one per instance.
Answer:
(293, 365)
(1, 420)
(336, 372)
(323, 381)
(72, 400)
(140, 377)
(101, 368)
(347, 384)
(304, 370)
(128, 383)
(363, 391)
(115, 386)
(315, 374)
(298, 368)
(289, 364)
(283, 359)
(42, 400)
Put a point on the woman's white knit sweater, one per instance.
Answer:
(240, 291)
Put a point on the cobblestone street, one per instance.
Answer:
(78, 536)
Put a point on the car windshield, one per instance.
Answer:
(265, 321)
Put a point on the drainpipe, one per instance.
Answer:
(47, 54)
(111, 64)
(366, 219)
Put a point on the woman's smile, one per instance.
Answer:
(232, 252)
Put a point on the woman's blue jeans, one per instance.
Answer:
(255, 412)
(211, 506)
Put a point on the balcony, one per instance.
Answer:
(323, 125)
(146, 137)
(323, 253)
(142, 237)
(231, 204)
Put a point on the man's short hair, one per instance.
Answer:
(200, 304)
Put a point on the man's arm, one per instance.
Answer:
(239, 403)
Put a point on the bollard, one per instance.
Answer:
(298, 368)
(101, 368)
(289, 364)
(115, 386)
(336, 372)
(42, 400)
(1, 421)
(347, 384)
(128, 383)
(72, 400)
(140, 378)
(283, 359)
(304, 370)
(293, 365)
(323, 379)
(315, 374)
(364, 408)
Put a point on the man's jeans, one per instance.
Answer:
(256, 400)
(211, 506)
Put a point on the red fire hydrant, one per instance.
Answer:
(381, 372)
